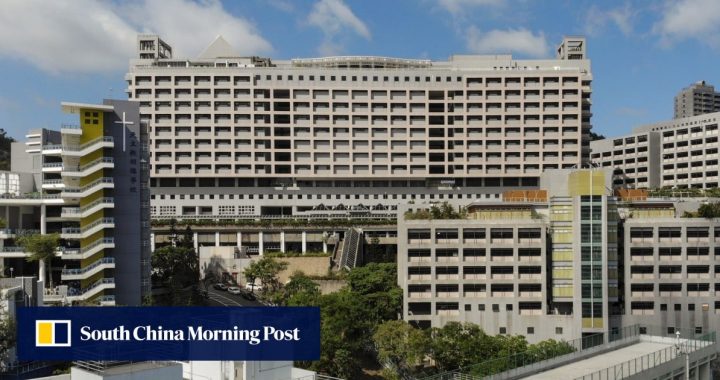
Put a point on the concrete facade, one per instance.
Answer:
(696, 99)
(241, 137)
(680, 153)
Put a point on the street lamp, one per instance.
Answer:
(683, 351)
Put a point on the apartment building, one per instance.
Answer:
(680, 153)
(572, 259)
(697, 99)
(243, 137)
(672, 276)
(511, 266)
(87, 182)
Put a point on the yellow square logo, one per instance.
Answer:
(52, 333)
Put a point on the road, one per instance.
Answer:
(223, 298)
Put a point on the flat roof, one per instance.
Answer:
(596, 363)
(71, 107)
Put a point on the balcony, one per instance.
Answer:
(53, 184)
(71, 129)
(52, 167)
(92, 269)
(81, 192)
(88, 251)
(78, 213)
(89, 168)
(88, 147)
(94, 227)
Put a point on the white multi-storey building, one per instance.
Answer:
(237, 137)
(676, 153)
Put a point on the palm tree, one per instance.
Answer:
(42, 249)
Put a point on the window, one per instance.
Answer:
(509, 307)
(643, 330)
(503, 330)
(481, 307)
(496, 307)
(698, 330)
(678, 307)
(691, 307)
(468, 307)
(530, 330)
(663, 307)
(558, 330)
(671, 330)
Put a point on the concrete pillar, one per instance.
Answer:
(304, 242)
(195, 241)
(43, 219)
(217, 238)
(43, 231)
(325, 242)
(152, 242)
(239, 240)
(260, 243)
(282, 241)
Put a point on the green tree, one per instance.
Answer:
(709, 210)
(300, 290)
(42, 248)
(5, 143)
(596, 136)
(178, 269)
(8, 338)
(266, 270)
(458, 345)
(401, 344)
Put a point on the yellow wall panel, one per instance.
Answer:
(91, 122)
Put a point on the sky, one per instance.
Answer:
(642, 51)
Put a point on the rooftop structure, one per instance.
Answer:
(697, 99)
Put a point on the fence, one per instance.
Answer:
(653, 359)
(533, 361)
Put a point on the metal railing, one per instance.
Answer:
(77, 148)
(101, 160)
(78, 210)
(78, 230)
(104, 260)
(635, 366)
(69, 252)
(89, 186)
(29, 196)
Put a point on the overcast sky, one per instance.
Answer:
(642, 52)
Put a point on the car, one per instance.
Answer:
(234, 290)
(253, 287)
(250, 296)
(220, 286)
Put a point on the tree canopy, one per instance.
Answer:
(266, 270)
(5, 143)
(709, 210)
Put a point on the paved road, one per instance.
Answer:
(223, 298)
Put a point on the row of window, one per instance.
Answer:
(237, 80)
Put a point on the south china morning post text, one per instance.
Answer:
(169, 333)
(197, 333)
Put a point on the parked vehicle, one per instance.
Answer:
(234, 290)
(220, 286)
(248, 295)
